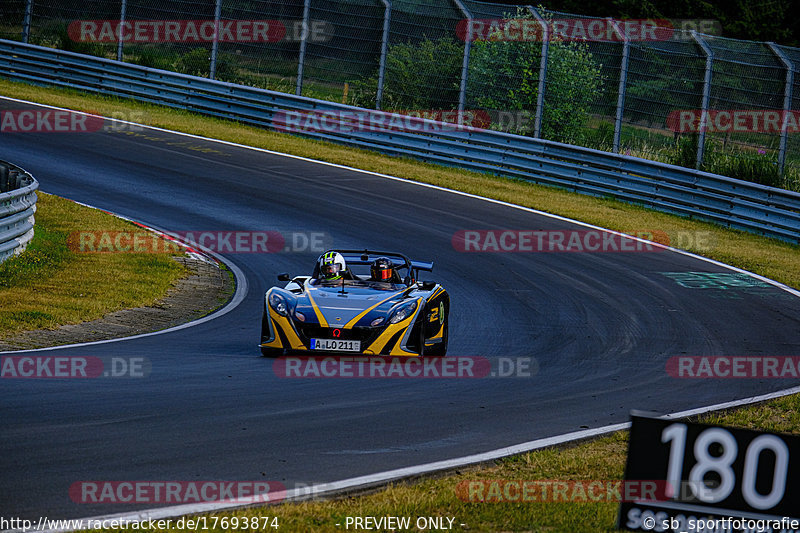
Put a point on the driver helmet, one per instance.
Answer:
(382, 269)
(331, 266)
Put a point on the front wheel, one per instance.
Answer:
(440, 349)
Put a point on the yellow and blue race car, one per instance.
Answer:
(358, 302)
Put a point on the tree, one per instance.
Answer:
(504, 75)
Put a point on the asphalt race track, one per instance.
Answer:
(600, 325)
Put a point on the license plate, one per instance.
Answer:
(335, 345)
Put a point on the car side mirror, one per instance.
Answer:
(284, 276)
(428, 285)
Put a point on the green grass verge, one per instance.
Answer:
(600, 459)
(50, 285)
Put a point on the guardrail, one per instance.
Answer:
(17, 208)
(727, 201)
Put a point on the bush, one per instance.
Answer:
(573, 79)
(757, 168)
(421, 75)
(685, 154)
(505, 75)
(196, 62)
(364, 93)
(54, 34)
(226, 67)
(153, 57)
(502, 75)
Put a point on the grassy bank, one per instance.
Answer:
(51, 284)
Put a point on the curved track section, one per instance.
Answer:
(601, 327)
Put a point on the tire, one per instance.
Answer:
(440, 349)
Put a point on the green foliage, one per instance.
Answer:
(226, 66)
(573, 79)
(772, 20)
(364, 92)
(505, 75)
(54, 33)
(755, 167)
(604, 134)
(154, 57)
(685, 152)
(668, 80)
(196, 62)
(421, 75)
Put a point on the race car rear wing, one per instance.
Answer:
(427, 266)
(365, 257)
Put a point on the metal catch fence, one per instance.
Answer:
(651, 88)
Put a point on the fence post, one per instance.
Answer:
(623, 81)
(387, 15)
(26, 21)
(301, 59)
(122, 9)
(462, 95)
(537, 123)
(212, 69)
(701, 140)
(787, 103)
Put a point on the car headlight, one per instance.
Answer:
(278, 303)
(402, 312)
